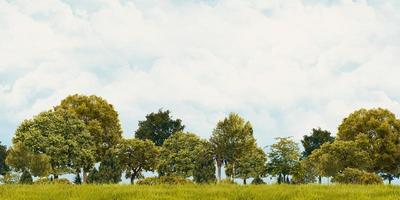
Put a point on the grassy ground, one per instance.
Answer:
(275, 192)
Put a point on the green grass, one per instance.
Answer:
(275, 192)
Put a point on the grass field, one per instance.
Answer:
(275, 192)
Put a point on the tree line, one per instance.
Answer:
(83, 136)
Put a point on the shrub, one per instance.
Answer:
(356, 176)
(257, 181)
(169, 180)
(26, 178)
(226, 181)
(45, 181)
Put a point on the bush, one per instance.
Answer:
(257, 181)
(45, 181)
(169, 180)
(26, 178)
(356, 176)
(226, 181)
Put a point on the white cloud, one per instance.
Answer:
(287, 66)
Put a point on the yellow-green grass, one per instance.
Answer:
(264, 192)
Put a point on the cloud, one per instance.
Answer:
(287, 66)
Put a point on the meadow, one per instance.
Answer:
(273, 192)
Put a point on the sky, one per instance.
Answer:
(287, 66)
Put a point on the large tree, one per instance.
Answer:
(314, 141)
(230, 139)
(100, 118)
(158, 127)
(382, 129)
(283, 157)
(178, 157)
(3, 154)
(137, 156)
(61, 136)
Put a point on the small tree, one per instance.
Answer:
(26, 178)
(158, 127)
(283, 159)
(204, 167)
(356, 176)
(136, 156)
(4, 168)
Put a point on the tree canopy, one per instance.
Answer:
(158, 127)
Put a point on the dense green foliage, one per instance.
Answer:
(158, 127)
(356, 176)
(4, 168)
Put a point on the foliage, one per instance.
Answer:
(158, 127)
(251, 165)
(100, 118)
(59, 135)
(257, 181)
(382, 131)
(177, 157)
(204, 166)
(169, 180)
(333, 158)
(10, 178)
(283, 158)
(138, 155)
(4, 168)
(110, 169)
(230, 139)
(356, 176)
(304, 173)
(26, 178)
(315, 140)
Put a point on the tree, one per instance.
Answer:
(305, 172)
(26, 178)
(59, 135)
(251, 165)
(333, 158)
(314, 141)
(284, 158)
(21, 159)
(382, 130)
(177, 156)
(110, 169)
(137, 156)
(3, 166)
(230, 139)
(356, 176)
(100, 118)
(204, 167)
(158, 127)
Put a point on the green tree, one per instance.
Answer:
(158, 127)
(110, 169)
(39, 165)
(333, 158)
(305, 172)
(314, 141)
(283, 158)
(230, 139)
(177, 156)
(204, 167)
(100, 118)
(3, 166)
(382, 129)
(26, 178)
(251, 165)
(137, 156)
(356, 176)
(59, 135)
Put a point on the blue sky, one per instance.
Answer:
(285, 65)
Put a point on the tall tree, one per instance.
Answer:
(158, 127)
(100, 118)
(230, 139)
(283, 158)
(137, 156)
(382, 129)
(314, 141)
(59, 135)
(3, 154)
(101, 121)
(177, 156)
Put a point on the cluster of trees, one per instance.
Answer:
(82, 135)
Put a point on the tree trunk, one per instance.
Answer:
(284, 178)
(390, 180)
(279, 178)
(319, 179)
(219, 166)
(133, 176)
(244, 181)
(55, 176)
(85, 176)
